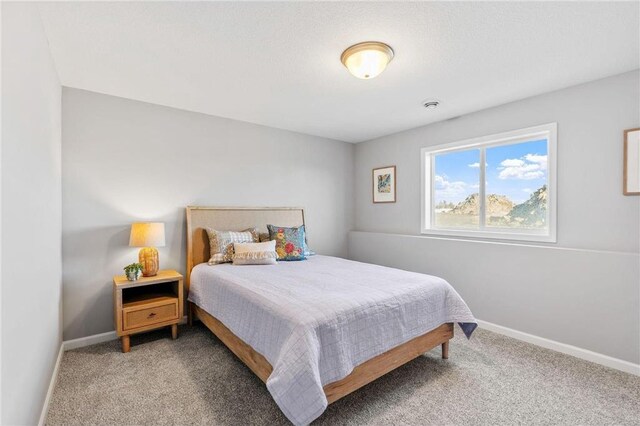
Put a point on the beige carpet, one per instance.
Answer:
(489, 380)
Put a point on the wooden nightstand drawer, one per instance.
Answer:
(151, 312)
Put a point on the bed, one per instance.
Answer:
(315, 330)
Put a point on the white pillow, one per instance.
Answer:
(255, 253)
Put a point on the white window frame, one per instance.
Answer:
(427, 156)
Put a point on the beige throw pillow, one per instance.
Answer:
(255, 253)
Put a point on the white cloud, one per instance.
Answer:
(530, 166)
(537, 159)
(526, 172)
(512, 162)
(527, 190)
(446, 189)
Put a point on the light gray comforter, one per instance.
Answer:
(315, 320)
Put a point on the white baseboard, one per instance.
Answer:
(52, 385)
(89, 340)
(607, 361)
(96, 338)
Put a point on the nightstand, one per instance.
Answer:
(147, 304)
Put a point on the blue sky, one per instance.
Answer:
(513, 170)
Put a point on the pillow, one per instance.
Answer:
(307, 251)
(221, 243)
(289, 242)
(255, 253)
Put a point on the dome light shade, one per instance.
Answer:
(367, 60)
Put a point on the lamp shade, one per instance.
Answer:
(147, 234)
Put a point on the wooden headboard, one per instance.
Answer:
(231, 219)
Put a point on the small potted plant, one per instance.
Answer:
(133, 271)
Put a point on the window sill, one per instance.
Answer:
(492, 235)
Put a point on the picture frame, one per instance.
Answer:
(631, 166)
(384, 184)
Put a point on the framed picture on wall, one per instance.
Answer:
(631, 180)
(384, 184)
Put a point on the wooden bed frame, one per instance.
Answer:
(238, 218)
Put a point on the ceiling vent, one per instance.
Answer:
(431, 104)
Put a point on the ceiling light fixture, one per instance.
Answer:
(368, 59)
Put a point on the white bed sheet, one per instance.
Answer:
(315, 320)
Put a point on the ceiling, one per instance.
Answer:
(278, 64)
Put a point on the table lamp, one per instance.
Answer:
(148, 236)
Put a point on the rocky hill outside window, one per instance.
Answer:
(500, 186)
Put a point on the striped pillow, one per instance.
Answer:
(221, 243)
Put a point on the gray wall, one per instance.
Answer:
(584, 290)
(31, 215)
(126, 161)
(113, 149)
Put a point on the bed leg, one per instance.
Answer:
(445, 350)
(190, 313)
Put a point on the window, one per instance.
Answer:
(500, 186)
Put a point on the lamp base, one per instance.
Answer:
(148, 256)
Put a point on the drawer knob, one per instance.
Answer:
(152, 314)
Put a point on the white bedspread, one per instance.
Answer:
(315, 320)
